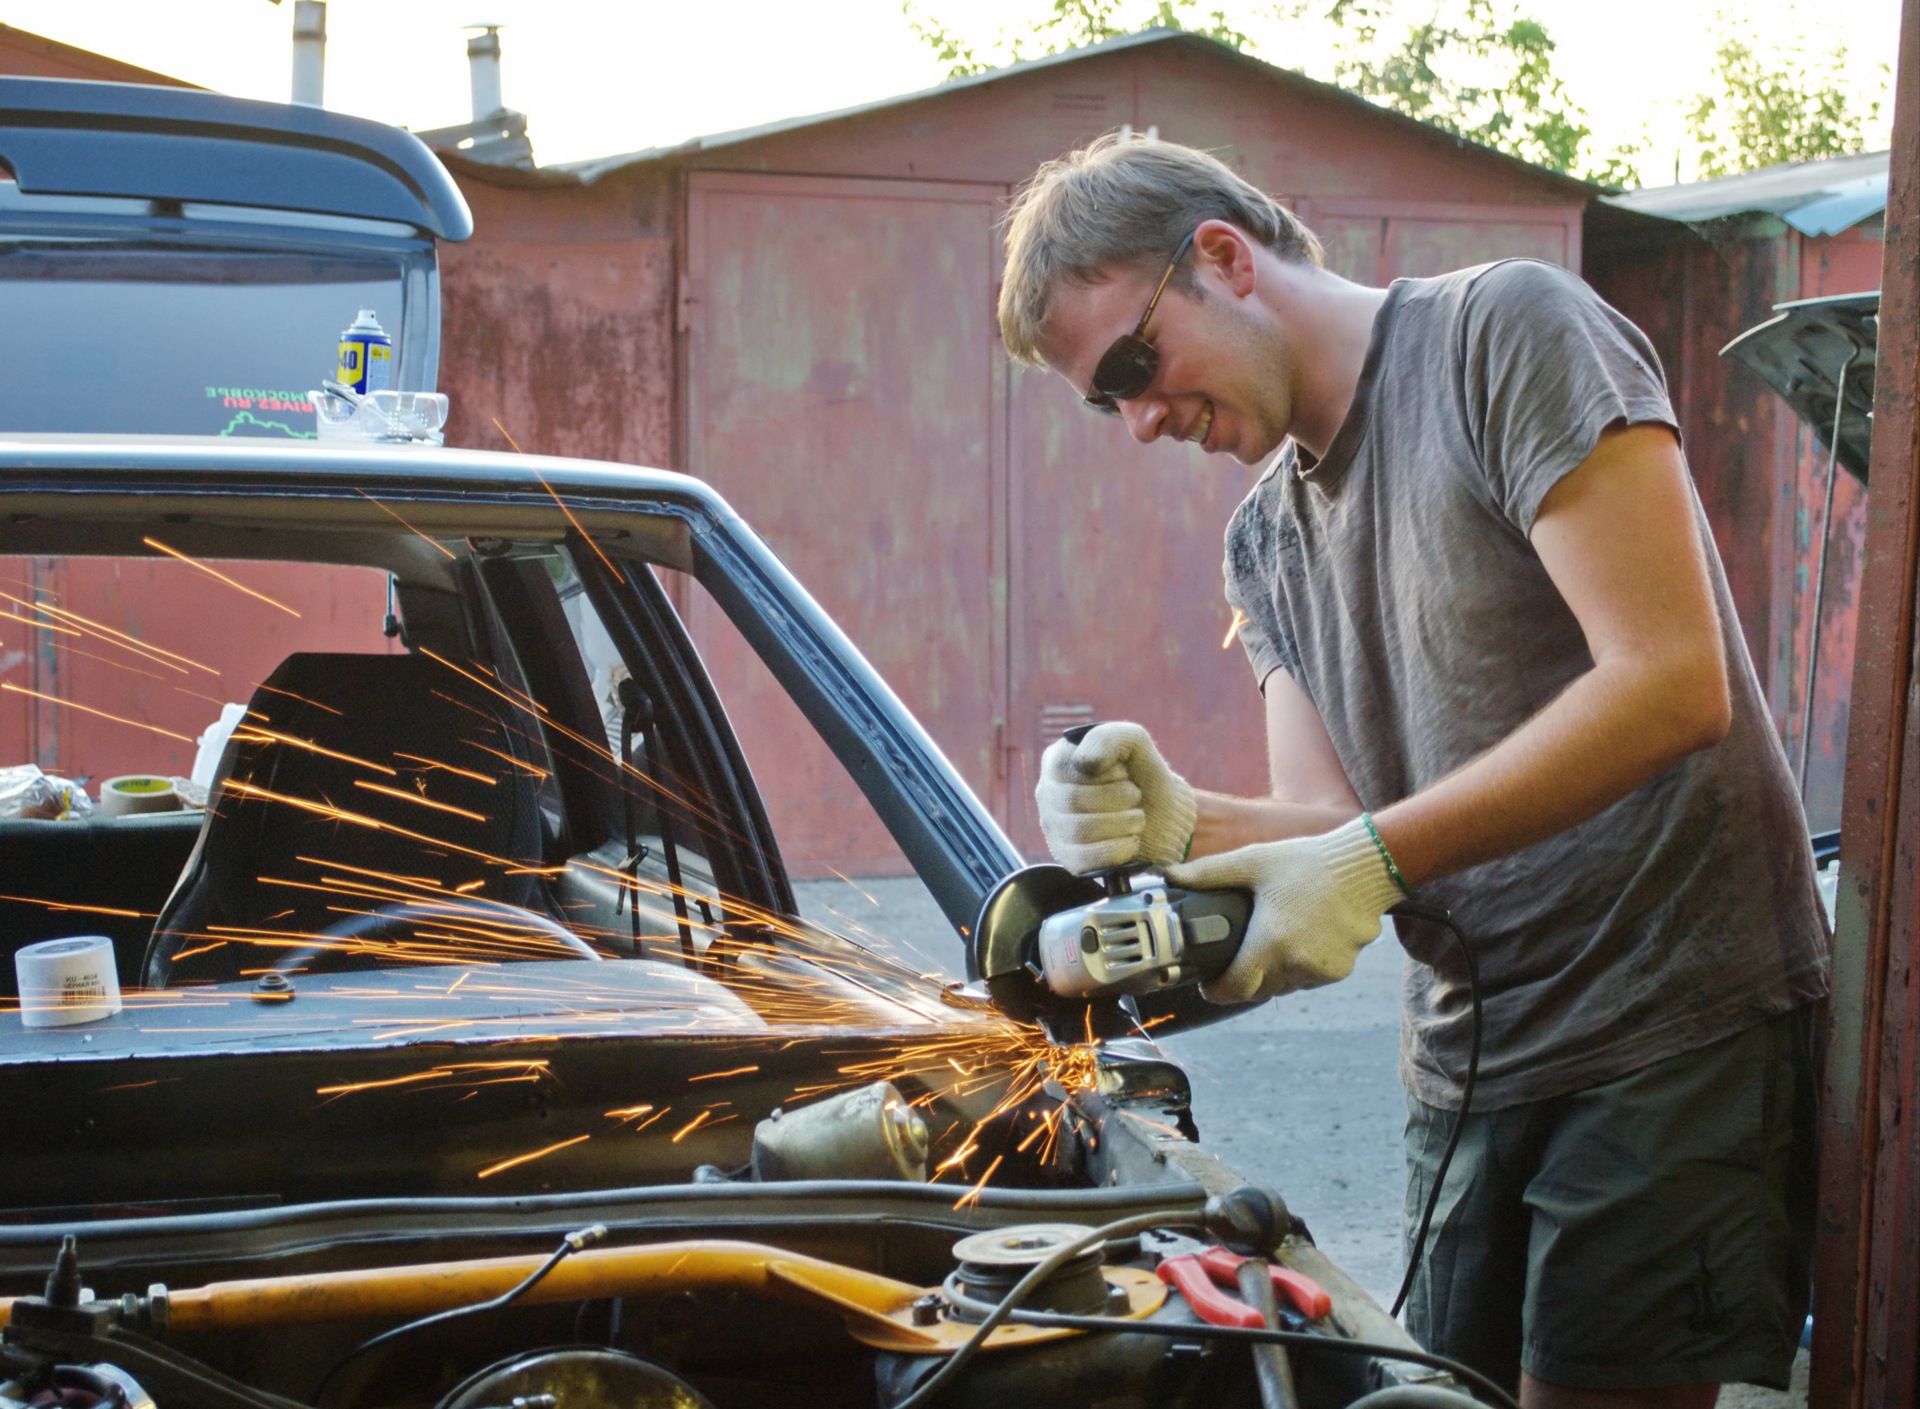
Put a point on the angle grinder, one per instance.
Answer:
(1051, 945)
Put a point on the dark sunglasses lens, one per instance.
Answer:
(1126, 370)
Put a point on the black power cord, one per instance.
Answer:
(569, 1245)
(1438, 916)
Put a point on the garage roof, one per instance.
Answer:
(592, 170)
(1821, 197)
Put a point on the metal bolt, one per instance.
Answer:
(927, 1310)
(273, 987)
(159, 1307)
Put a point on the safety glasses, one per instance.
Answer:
(1126, 368)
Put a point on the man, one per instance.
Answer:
(1500, 667)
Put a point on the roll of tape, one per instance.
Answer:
(67, 981)
(137, 792)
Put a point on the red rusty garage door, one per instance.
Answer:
(845, 391)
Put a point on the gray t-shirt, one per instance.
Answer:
(1395, 582)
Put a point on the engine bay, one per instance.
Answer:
(810, 1293)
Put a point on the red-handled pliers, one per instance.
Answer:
(1200, 1276)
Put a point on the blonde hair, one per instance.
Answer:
(1117, 203)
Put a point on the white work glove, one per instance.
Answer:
(1317, 902)
(1111, 799)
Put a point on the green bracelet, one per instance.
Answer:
(1187, 855)
(1386, 856)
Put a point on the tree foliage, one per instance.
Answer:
(1773, 107)
(1068, 24)
(1474, 70)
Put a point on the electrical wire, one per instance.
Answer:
(569, 1245)
(1440, 917)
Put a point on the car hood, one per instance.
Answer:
(1802, 351)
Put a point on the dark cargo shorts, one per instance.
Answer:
(1649, 1232)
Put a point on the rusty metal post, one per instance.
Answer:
(1867, 1253)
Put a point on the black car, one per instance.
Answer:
(456, 1036)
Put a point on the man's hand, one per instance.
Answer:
(1111, 799)
(1317, 902)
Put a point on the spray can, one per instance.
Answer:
(366, 355)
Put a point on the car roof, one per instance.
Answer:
(71, 137)
(154, 464)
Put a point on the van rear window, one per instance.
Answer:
(176, 341)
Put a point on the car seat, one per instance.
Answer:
(356, 784)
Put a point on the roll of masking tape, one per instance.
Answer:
(67, 981)
(137, 792)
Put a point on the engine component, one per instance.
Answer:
(991, 1263)
(871, 1133)
(575, 1378)
(878, 1311)
(99, 1386)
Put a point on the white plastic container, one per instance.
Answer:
(67, 981)
(213, 743)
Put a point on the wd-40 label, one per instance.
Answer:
(366, 355)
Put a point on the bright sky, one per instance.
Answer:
(603, 76)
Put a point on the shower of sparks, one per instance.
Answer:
(67, 650)
(73, 624)
(855, 887)
(1239, 620)
(420, 800)
(221, 576)
(517, 700)
(451, 1073)
(50, 626)
(437, 545)
(529, 1157)
(432, 765)
(86, 909)
(276, 690)
(998, 1092)
(617, 577)
(539, 773)
(730, 1071)
(257, 734)
(13, 689)
(972, 1195)
(691, 1126)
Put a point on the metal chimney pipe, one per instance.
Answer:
(310, 52)
(483, 64)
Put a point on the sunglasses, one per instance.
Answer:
(1126, 368)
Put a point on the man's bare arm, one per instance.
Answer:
(1309, 789)
(1618, 537)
